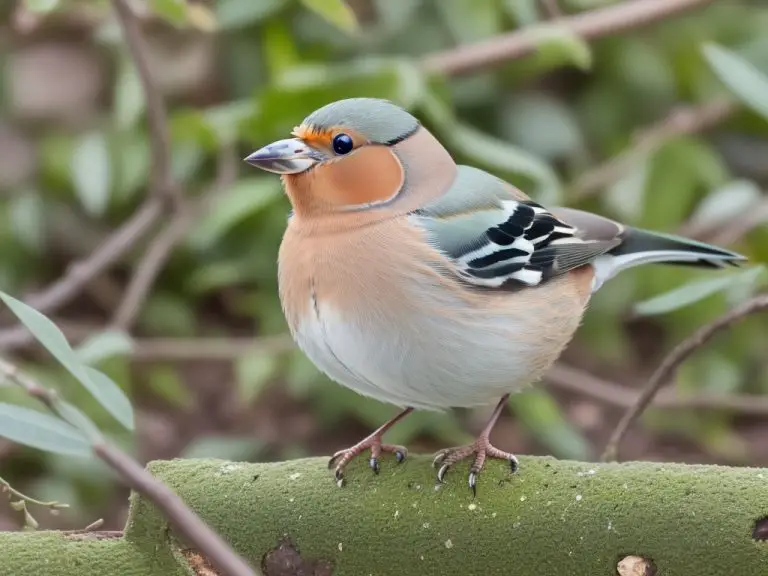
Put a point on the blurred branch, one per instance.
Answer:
(163, 186)
(551, 9)
(63, 290)
(670, 364)
(681, 121)
(162, 246)
(728, 233)
(163, 183)
(141, 481)
(592, 24)
(583, 383)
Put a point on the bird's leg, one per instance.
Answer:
(480, 448)
(339, 460)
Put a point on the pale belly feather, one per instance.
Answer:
(404, 333)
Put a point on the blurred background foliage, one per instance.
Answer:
(75, 161)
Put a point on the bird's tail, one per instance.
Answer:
(644, 247)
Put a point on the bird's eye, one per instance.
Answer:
(342, 144)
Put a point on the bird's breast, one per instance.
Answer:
(378, 311)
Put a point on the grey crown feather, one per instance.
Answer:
(497, 238)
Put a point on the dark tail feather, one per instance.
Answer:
(645, 247)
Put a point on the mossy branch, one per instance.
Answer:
(553, 517)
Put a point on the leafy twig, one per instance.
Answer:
(137, 478)
(592, 24)
(668, 366)
(5, 486)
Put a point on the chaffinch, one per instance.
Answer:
(431, 285)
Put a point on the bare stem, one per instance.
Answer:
(670, 364)
(592, 24)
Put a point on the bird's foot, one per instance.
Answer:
(373, 442)
(481, 449)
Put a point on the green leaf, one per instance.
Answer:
(740, 76)
(244, 199)
(542, 417)
(91, 173)
(104, 345)
(108, 394)
(77, 418)
(697, 290)
(253, 373)
(27, 211)
(726, 203)
(41, 6)
(165, 382)
(42, 431)
(334, 11)
(557, 44)
(234, 14)
(173, 11)
(129, 96)
(111, 396)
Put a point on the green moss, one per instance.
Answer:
(553, 517)
(53, 554)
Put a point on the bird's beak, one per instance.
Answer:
(289, 156)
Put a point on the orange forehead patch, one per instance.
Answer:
(311, 135)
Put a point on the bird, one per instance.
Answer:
(431, 285)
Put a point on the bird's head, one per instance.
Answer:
(350, 155)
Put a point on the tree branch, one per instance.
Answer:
(162, 246)
(138, 479)
(679, 122)
(670, 364)
(162, 181)
(593, 24)
(583, 383)
(551, 518)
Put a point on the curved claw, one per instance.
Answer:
(339, 474)
(441, 473)
(473, 482)
(514, 464)
(439, 457)
(400, 456)
(333, 459)
(374, 464)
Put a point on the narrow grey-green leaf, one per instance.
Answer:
(245, 198)
(543, 418)
(111, 396)
(42, 431)
(129, 96)
(104, 345)
(559, 44)
(77, 418)
(695, 291)
(41, 6)
(48, 334)
(334, 11)
(91, 173)
(748, 83)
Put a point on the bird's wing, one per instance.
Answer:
(497, 236)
